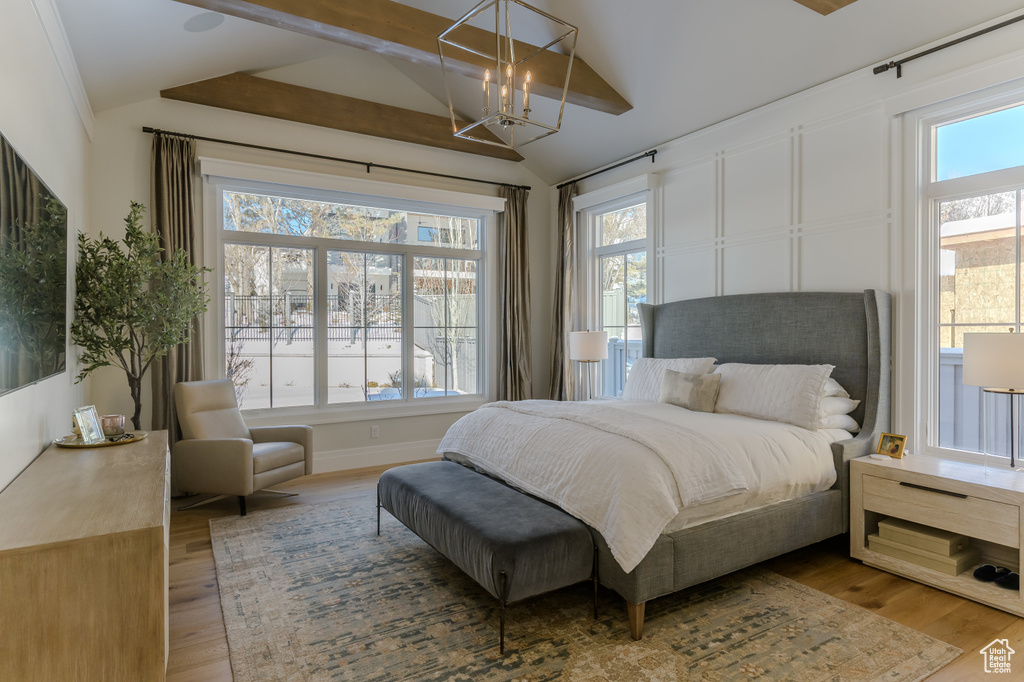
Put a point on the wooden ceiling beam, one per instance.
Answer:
(264, 97)
(396, 30)
(825, 6)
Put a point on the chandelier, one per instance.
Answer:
(509, 70)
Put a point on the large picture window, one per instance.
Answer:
(340, 300)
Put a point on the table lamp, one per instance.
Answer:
(995, 362)
(587, 348)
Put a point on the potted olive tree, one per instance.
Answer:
(131, 307)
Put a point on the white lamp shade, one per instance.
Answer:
(994, 360)
(588, 346)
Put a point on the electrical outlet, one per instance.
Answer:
(374, 432)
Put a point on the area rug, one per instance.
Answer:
(311, 593)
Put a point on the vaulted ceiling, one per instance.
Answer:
(680, 64)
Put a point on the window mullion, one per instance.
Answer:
(320, 324)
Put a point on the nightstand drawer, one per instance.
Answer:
(972, 516)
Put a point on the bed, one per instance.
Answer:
(848, 330)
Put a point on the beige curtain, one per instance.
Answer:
(515, 374)
(174, 220)
(563, 379)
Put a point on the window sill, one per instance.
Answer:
(336, 414)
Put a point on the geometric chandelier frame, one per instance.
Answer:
(505, 71)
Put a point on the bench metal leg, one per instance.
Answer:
(501, 617)
(378, 510)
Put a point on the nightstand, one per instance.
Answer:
(985, 505)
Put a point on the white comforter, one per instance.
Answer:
(628, 469)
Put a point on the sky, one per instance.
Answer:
(981, 144)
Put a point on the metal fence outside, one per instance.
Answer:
(289, 317)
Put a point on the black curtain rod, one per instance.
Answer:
(898, 65)
(651, 154)
(324, 157)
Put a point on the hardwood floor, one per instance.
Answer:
(199, 650)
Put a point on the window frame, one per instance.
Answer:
(929, 193)
(588, 208)
(337, 189)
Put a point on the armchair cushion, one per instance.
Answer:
(301, 434)
(267, 456)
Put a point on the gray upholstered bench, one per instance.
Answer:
(511, 544)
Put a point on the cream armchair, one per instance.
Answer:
(219, 454)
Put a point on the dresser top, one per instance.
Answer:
(70, 494)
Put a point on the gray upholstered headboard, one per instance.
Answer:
(848, 330)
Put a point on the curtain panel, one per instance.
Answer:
(563, 379)
(515, 372)
(174, 221)
(20, 205)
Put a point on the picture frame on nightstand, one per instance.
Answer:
(892, 444)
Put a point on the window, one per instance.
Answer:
(622, 264)
(614, 275)
(333, 299)
(975, 208)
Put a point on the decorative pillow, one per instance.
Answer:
(696, 392)
(783, 393)
(644, 381)
(839, 421)
(832, 388)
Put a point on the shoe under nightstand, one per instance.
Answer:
(984, 504)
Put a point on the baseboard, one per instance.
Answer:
(376, 455)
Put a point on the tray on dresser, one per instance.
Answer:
(73, 441)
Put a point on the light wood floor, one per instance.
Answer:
(199, 649)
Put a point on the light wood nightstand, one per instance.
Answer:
(984, 504)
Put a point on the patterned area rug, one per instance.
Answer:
(311, 593)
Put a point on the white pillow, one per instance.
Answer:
(839, 421)
(783, 393)
(836, 405)
(644, 381)
(832, 388)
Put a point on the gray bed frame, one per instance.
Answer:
(848, 330)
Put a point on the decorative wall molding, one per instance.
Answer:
(53, 28)
(358, 458)
(870, 219)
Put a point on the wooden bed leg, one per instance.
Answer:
(636, 619)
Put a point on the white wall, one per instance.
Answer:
(38, 116)
(121, 171)
(806, 194)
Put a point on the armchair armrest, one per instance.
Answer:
(303, 435)
(214, 465)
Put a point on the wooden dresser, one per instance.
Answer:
(83, 565)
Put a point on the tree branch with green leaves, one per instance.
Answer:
(131, 307)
